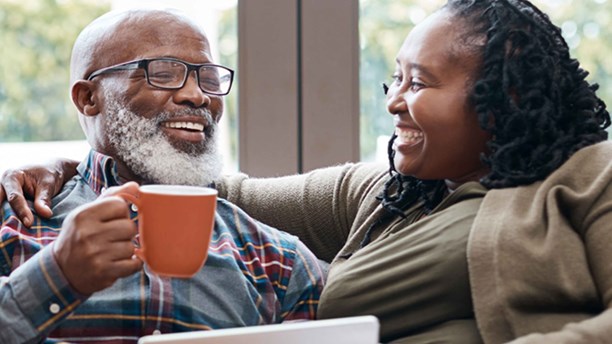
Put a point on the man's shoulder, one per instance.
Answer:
(259, 249)
(232, 219)
(17, 239)
(75, 193)
(68, 197)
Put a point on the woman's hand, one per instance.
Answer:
(40, 182)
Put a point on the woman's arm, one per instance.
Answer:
(40, 182)
(320, 207)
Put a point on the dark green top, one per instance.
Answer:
(412, 276)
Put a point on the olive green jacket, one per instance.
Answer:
(539, 256)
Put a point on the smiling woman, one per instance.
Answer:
(428, 98)
(586, 24)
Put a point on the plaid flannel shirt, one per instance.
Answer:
(253, 275)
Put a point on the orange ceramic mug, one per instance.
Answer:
(175, 224)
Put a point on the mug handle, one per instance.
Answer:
(138, 251)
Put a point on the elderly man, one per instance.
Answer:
(149, 98)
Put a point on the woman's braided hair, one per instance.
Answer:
(530, 95)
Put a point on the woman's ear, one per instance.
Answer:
(83, 97)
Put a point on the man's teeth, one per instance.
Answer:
(184, 125)
(409, 135)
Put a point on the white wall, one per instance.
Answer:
(22, 153)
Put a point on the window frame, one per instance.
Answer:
(298, 65)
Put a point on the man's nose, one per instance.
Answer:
(191, 94)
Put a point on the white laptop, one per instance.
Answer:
(351, 330)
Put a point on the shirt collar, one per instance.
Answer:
(99, 171)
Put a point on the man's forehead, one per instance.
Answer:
(158, 35)
(120, 36)
(160, 27)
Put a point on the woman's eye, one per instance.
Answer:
(415, 85)
(397, 79)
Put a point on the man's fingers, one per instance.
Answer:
(119, 230)
(120, 251)
(127, 267)
(130, 188)
(105, 209)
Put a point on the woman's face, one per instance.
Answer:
(438, 136)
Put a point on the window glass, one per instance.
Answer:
(383, 25)
(37, 117)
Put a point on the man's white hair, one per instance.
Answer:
(142, 146)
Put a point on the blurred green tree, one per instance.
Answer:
(36, 37)
(228, 51)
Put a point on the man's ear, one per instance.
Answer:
(84, 98)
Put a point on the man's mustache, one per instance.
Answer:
(202, 113)
(211, 124)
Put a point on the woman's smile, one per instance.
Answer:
(407, 137)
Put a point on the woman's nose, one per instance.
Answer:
(395, 100)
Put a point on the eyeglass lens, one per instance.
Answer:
(172, 74)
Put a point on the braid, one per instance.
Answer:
(532, 96)
(401, 192)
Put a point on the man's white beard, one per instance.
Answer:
(140, 143)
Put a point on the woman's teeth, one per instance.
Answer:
(409, 136)
(184, 125)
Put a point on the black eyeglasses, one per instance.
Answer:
(171, 74)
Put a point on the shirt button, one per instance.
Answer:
(134, 207)
(54, 308)
(157, 331)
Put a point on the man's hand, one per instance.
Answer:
(95, 247)
(39, 181)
